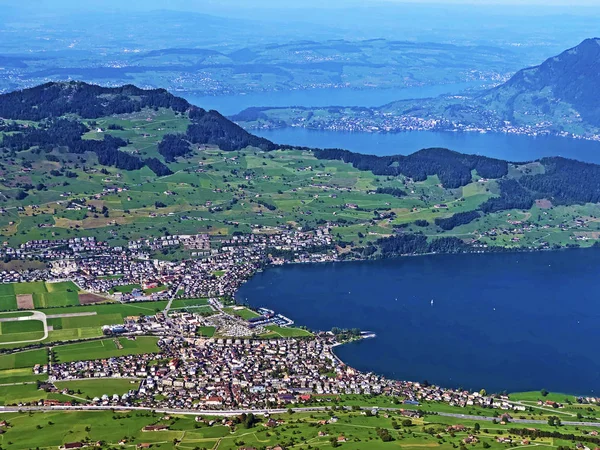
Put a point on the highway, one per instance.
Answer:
(235, 412)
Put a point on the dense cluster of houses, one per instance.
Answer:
(194, 373)
(98, 268)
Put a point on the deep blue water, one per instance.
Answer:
(497, 145)
(514, 321)
(232, 104)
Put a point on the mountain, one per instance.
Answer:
(558, 96)
(64, 110)
(565, 85)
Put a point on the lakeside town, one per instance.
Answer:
(236, 367)
(379, 121)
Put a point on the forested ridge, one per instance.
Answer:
(452, 168)
(86, 100)
(49, 102)
(457, 219)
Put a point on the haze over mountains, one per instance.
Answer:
(558, 96)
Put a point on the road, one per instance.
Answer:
(168, 307)
(35, 315)
(235, 412)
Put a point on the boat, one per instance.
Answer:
(431, 302)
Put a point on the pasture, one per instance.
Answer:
(298, 430)
(105, 348)
(97, 388)
(38, 294)
(24, 359)
(21, 330)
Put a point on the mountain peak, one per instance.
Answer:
(571, 78)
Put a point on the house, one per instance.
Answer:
(70, 445)
(155, 428)
(144, 445)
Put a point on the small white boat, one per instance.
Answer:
(431, 302)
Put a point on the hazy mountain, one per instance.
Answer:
(565, 86)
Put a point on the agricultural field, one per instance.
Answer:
(21, 330)
(38, 294)
(88, 326)
(220, 193)
(88, 389)
(26, 393)
(349, 429)
(24, 359)
(105, 348)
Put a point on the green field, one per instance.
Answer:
(26, 393)
(206, 331)
(298, 430)
(98, 388)
(28, 358)
(45, 294)
(21, 330)
(288, 332)
(126, 288)
(20, 376)
(244, 313)
(105, 348)
(188, 302)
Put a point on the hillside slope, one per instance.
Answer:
(563, 87)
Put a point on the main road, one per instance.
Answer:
(235, 412)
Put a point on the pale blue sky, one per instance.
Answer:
(201, 5)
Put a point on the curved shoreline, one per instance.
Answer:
(584, 392)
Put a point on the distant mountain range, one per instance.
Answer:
(559, 96)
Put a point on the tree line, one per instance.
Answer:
(86, 100)
(453, 169)
(414, 244)
(210, 128)
(54, 133)
(457, 219)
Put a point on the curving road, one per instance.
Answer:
(35, 315)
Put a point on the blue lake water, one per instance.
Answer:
(232, 104)
(514, 321)
(498, 145)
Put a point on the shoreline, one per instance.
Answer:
(540, 134)
(360, 339)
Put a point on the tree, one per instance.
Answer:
(544, 392)
(554, 421)
(477, 427)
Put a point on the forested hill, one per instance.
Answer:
(452, 168)
(85, 100)
(63, 110)
(562, 180)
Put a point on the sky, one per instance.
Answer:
(214, 5)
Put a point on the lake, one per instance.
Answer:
(498, 145)
(511, 321)
(232, 104)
